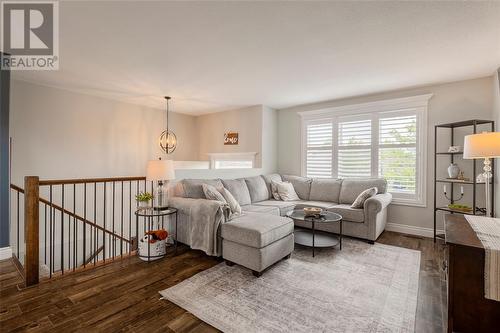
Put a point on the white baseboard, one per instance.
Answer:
(5, 253)
(411, 230)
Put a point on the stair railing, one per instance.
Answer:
(67, 225)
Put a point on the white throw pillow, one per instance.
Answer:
(234, 206)
(363, 196)
(212, 193)
(274, 190)
(287, 192)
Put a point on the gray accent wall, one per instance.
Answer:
(4, 156)
(455, 101)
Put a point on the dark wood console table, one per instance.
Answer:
(468, 309)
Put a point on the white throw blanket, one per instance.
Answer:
(206, 217)
(488, 232)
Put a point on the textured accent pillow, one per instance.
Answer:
(363, 196)
(274, 190)
(212, 193)
(239, 190)
(269, 179)
(234, 206)
(287, 192)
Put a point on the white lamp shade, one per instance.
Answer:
(484, 145)
(160, 170)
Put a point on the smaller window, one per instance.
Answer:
(233, 164)
(232, 160)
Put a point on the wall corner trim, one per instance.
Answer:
(5, 253)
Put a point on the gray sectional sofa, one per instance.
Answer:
(263, 234)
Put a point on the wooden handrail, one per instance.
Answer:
(88, 180)
(65, 211)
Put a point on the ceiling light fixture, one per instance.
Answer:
(168, 140)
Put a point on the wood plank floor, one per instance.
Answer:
(123, 296)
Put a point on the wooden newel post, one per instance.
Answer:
(31, 214)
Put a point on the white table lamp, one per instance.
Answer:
(160, 171)
(483, 146)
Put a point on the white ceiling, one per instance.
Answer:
(214, 56)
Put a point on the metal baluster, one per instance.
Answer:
(45, 234)
(104, 223)
(95, 222)
(137, 229)
(121, 227)
(84, 224)
(51, 266)
(74, 227)
(113, 222)
(69, 241)
(62, 230)
(18, 217)
(129, 213)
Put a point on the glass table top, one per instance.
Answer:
(323, 217)
(150, 212)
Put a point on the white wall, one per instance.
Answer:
(496, 118)
(61, 134)
(471, 99)
(269, 140)
(258, 132)
(247, 122)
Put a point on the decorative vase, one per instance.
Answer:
(453, 170)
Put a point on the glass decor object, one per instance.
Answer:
(453, 170)
(168, 139)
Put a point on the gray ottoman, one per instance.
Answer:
(257, 240)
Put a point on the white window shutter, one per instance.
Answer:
(354, 148)
(319, 138)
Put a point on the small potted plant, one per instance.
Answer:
(143, 200)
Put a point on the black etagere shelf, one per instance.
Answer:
(439, 158)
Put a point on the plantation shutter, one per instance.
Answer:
(398, 152)
(354, 148)
(319, 142)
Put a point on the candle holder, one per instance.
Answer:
(451, 199)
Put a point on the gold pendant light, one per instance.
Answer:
(168, 140)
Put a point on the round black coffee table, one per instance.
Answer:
(314, 238)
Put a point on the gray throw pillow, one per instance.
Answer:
(234, 206)
(212, 193)
(239, 190)
(193, 188)
(363, 196)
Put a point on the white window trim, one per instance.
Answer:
(246, 156)
(418, 103)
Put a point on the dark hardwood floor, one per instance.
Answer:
(123, 296)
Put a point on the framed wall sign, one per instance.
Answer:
(231, 138)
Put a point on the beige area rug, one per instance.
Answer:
(363, 288)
